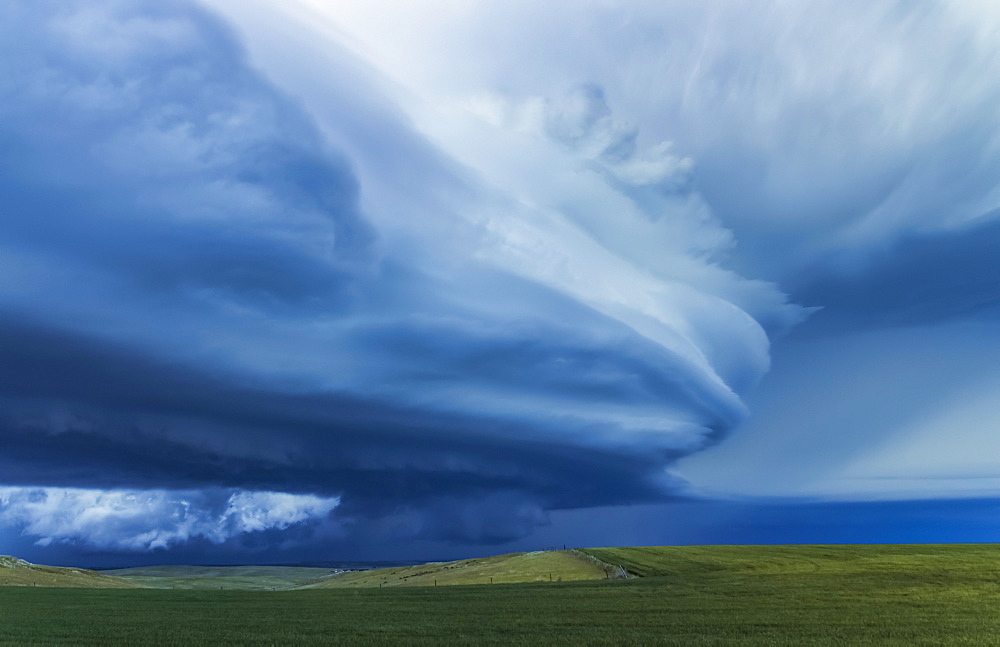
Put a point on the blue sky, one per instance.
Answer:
(321, 280)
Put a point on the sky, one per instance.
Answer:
(321, 281)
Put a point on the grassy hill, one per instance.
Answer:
(540, 566)
(547, 566)
(866, 560)
(246, 578)
(17, 572)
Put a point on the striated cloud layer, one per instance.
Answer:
(276, 273)
(196, 297)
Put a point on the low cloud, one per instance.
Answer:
(143, 520)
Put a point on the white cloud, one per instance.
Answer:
(148, 519)
(841, 126)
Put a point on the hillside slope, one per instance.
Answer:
(247, 578)
(541, 566)
(17, 572)
(692, 561)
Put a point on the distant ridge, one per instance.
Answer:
(17, 572)
(512, 568)
(677, 563)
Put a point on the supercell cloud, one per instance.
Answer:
(198, 299)
(278, 271)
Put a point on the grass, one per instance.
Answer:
(540, 566)
(246, 578)
(16, 572)
(748, 595)
(547, 566)
(886, 560)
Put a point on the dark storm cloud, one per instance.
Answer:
(624, 371)
(82, 413)
(137, 142)
(237, 318)
(193, 300)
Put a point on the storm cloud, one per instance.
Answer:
(303, 271)
(199, 297)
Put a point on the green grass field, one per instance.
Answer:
(886, 560)
(748, 595)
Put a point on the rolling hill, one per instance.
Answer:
(17, 572)
(539, 566)
(245, 578)
(814, 560)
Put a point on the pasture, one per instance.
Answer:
(246, 578)
(804, 595)
(512, 568)
(17, 572)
